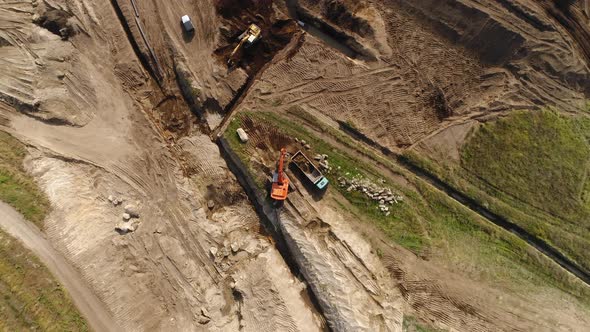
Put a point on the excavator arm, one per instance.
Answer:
(230, 61)
(281, 174)
(280, 186)
(251, 35)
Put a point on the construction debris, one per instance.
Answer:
(114, 200)
(124, 228)
(132, 210)
(242, 134)
(382, 195)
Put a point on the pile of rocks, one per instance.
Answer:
(130, 216)
(303, 143)
(322, 160)
(116, 201)
(382, 195)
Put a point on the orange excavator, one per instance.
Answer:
(280, 182)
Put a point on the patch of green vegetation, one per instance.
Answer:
(493, 250)
(411, 324)
(538, 157)
(239, 149)
(537, 177)
(30, 299)
(233, 139)
(430, 223)
(17, 188)
(402, 225)
(565, 235)
(463, 236)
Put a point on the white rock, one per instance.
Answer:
(132, 210)
(242, 134)
(213, 251)
(125, 228)
(111, 198)
(126, 216)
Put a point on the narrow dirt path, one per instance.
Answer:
(90, 306)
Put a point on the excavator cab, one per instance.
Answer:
(280, 182)
(247, 39)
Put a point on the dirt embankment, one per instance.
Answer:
(192, 248)
(483, 26)
(43, 77)
(198, 256)
(439, 63)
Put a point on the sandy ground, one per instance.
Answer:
(430, 75)
(103, 115)
(166, 275)
(90, 306)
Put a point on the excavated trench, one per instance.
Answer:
(276, 35)
(267, 213)
(327, 33)
(321, 30)
(254, 64)
(269, 216)
(143, 59)
(545, 248)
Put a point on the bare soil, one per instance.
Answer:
(121, 103)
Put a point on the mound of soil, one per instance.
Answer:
(56, 21)
(343, 16)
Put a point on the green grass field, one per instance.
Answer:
(16, 187)
(430, 223)
(532, 167)
(525, 167)
(30, 298)
(541, 158)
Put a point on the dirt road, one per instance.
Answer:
(89, 305)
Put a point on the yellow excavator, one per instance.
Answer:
(247, 38)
